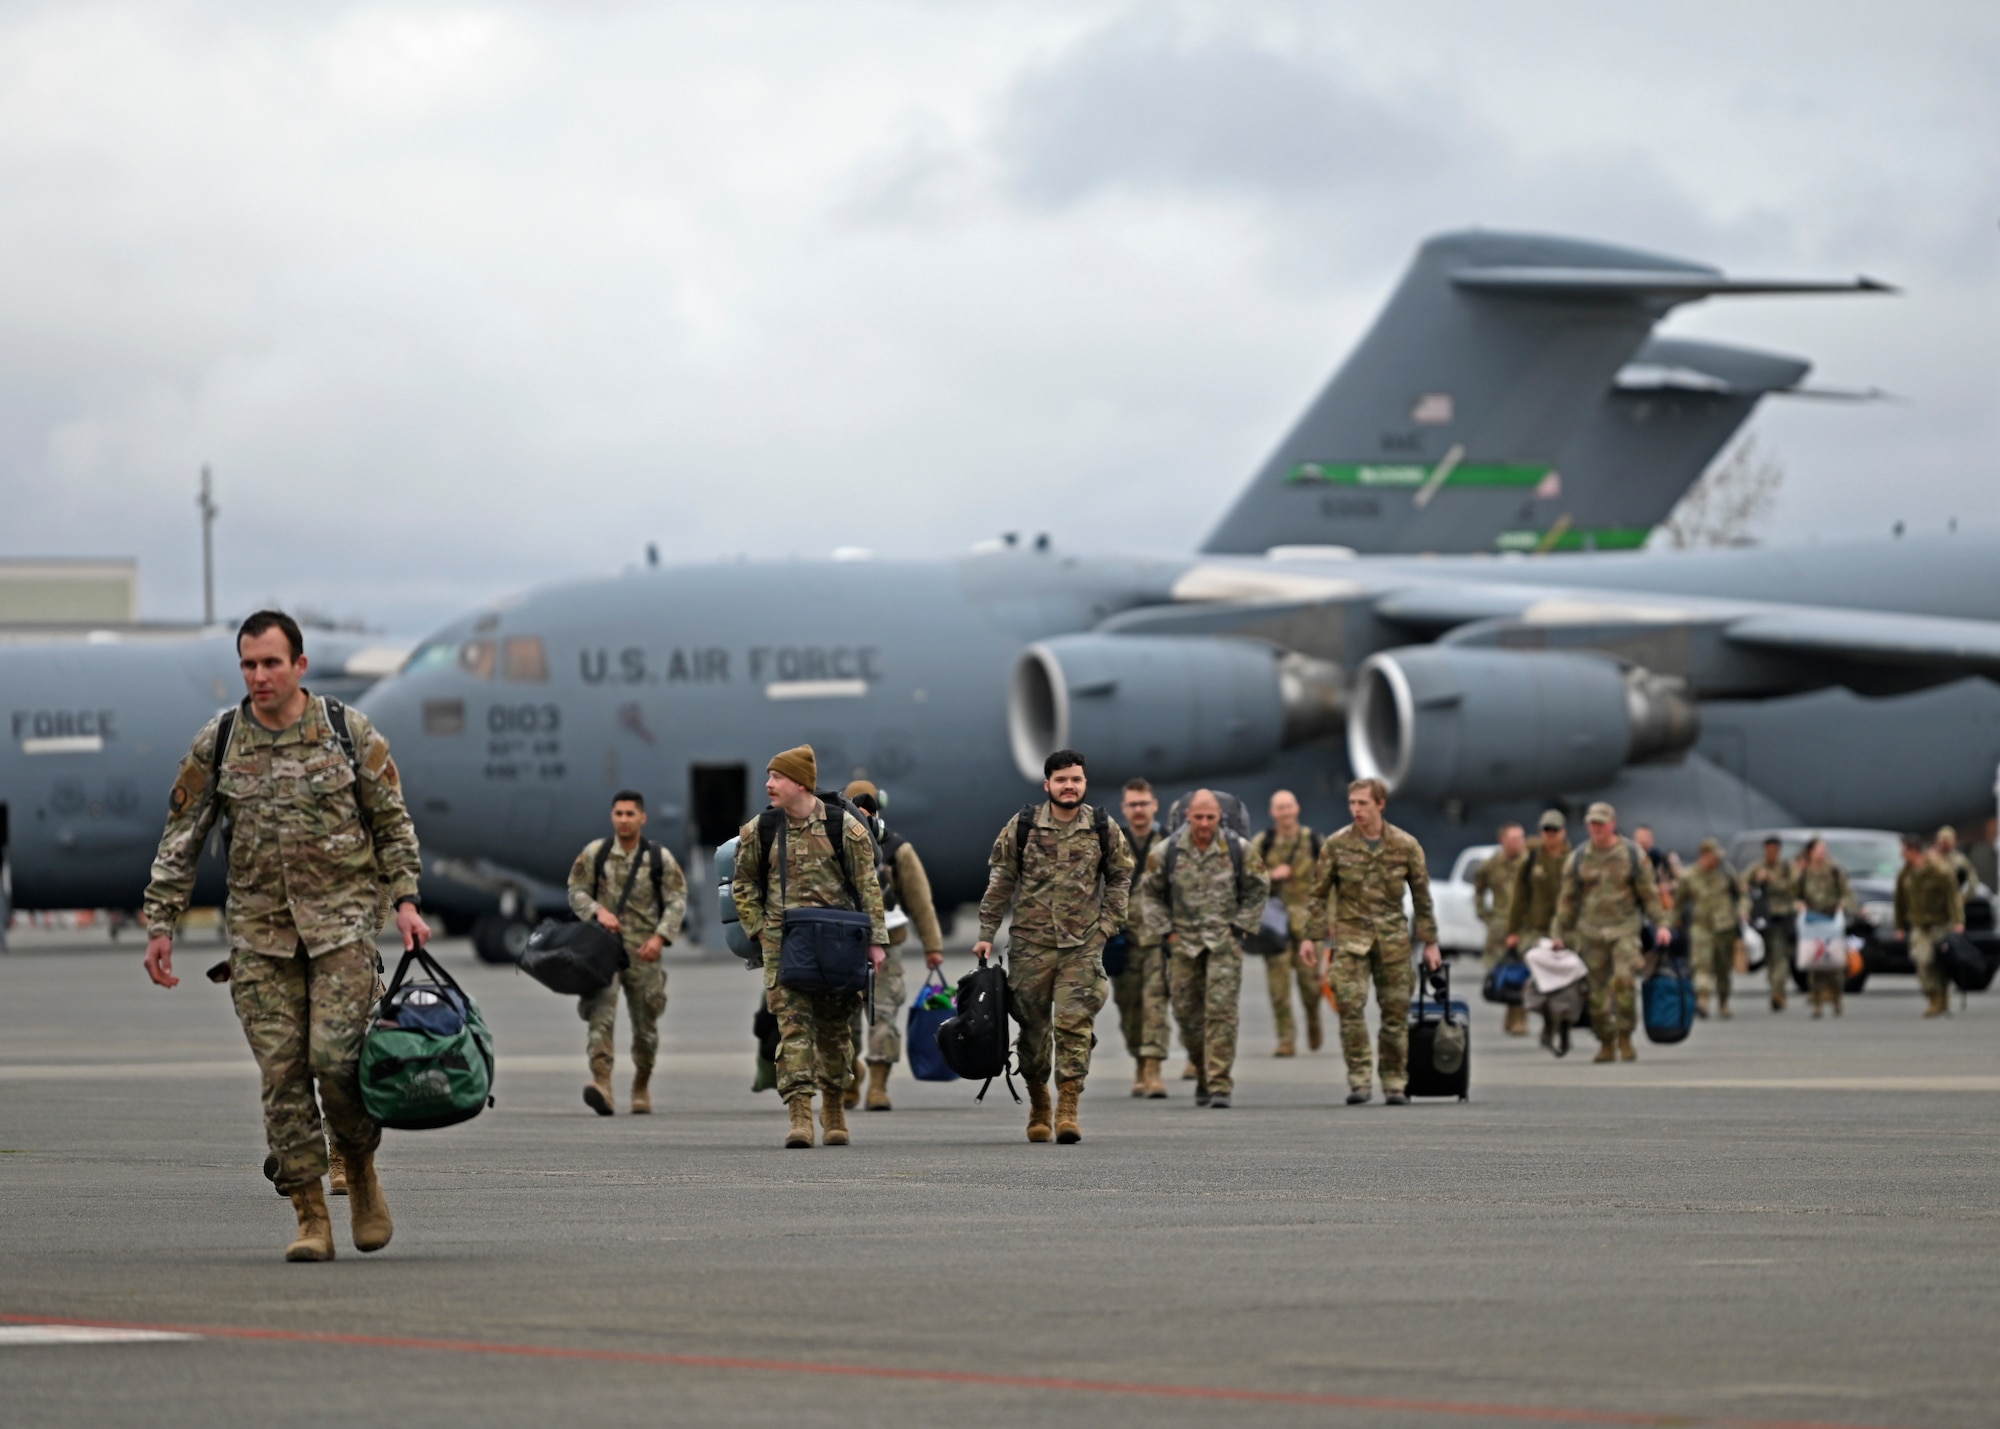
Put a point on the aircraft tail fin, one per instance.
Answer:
(1490, 358)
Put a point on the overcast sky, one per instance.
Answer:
(460, 298)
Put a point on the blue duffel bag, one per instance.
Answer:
(930, 1010)
(1666, 1001)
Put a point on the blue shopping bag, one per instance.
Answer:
(928, 1012)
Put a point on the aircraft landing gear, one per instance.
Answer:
(498, 938)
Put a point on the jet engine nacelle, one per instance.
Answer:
(1443, 722)
(1166, 707)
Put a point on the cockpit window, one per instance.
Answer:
(431, 656)
(475, 657)
(523, 658)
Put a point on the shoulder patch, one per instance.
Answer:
(188, 787)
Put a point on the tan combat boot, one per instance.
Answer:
(851, 1096)
(1286, 1048)
(878, 1087)
(336, 1171)
(315, 1240)
(1940, 1005)
(1068, 1133)
(642, 1093)
(597, 1093)
(1189, 1071)
(368, 1213)
(800, 1136)
(1038, 1112)
(1626, 1051)
(1516, 1024)
(833, 1116)
(1315, 1031)
(1139, 1076)
(1607, 1051)
(1156, 1090)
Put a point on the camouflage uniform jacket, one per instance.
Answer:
(1058, 902)
(1780, 882)
(1296, 891)
(913, 896)
(649, 911)
(316, 851)
(1604, 892)
(1927, 896)
(1961, 869)
(1357, 891)
(1494, 885)
(812, 879)
(1208, 908)
(1532, 913)
(1826, 891)
(1711, 899)
(1141, 850)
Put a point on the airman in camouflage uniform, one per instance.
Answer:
(1711, 907)
(1777, 879)
(1068, 889)
(1607, 885)
(1929, 907)
(1202, 911)
(1292, 847)
(646, 923)
(907, 886)
(1531, 916)
(1494, 884)
(815, 1046)
(1140, 987)
(1824, 889)
(318, 845)
(1357, 908)
(1945, 847)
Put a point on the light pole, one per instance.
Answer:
(209, 510)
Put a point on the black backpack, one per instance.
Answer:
(974, 1040)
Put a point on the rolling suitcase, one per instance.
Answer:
(1440, 1057)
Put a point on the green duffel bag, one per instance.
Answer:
(427, 1058)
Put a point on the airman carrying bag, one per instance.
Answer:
(582, 958)
(824, 949)
(426, 1058)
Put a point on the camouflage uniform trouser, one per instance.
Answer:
(1781, 938)
(1208, 992)
(1283, 971)
(1349, 974)
(1923, 952)
(1614, 982)
(645, 998)
(1714, 958)
(885, 1039)
(1141, 993)
(815, 1045)
(1057, 993)
(304, 1019)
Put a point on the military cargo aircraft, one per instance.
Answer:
(1538, 317)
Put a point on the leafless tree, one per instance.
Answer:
(1726, 505)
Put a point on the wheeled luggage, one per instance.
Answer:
(426, 1058)
(1440, 1055)
(930, 1009)
(1666, 1000)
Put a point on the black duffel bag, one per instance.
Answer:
(1964, 966)
(580, 959)
(823, 949)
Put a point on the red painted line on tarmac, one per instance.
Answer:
(1223, 1393)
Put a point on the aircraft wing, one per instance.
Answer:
(1971, 646)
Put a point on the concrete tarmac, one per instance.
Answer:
(1777, 1221)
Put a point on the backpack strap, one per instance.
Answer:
(597, 869)
(224, 728)
(1024, 825)
(836, 832)
(336, 715)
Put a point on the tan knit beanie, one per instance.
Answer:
(798, 765)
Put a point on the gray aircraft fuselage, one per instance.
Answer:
(683, 681)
